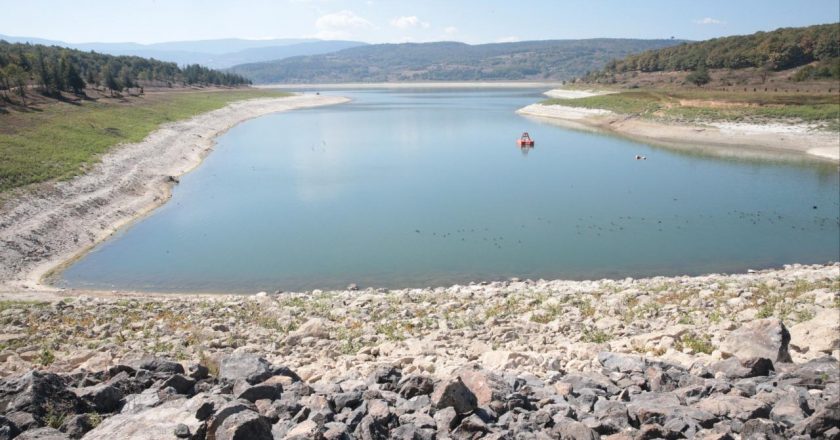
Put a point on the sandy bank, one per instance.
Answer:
(41, 229)
(726, 139)
(575, 94)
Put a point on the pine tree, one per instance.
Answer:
(74, 81)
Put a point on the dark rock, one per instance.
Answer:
(243, 425)
(734, 407)
(8, 429)
(350, 400)
(763, 338)
(790, 409)
(415, 385)
(814, 373)
(612, 417)
(226, 410)
(469, 428)
(22, 420)
(735, 368)
(568, 429)
(387, 378)
(454, 393)
(337, 431)
(180, 383)
(624, 363)
(76, 426)
(198, 371)
(160, 365)
(37, 393)
(182, 431)
(243, 390)
(821, 421)
(245, 366)
(369, 429)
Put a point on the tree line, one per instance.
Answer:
(777, 50)
(54, 69)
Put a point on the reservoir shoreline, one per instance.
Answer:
(51, 226)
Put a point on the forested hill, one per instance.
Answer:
(56, 69)
(450, 61)
(781, 49)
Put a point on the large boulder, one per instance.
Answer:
(157, 423)
(244, 425)
(244, 366)
(486, 386)
(103, 398)
(734, 407)
(37, 393)
(454, 393)
(763, 338)
(818, 336)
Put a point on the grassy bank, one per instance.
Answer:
(708, 105)
(62, 139)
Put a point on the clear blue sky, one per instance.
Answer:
(378, 21)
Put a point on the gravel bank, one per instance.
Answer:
(41, 229)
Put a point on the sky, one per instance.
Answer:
(394, 21)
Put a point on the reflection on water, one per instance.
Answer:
(428, 187)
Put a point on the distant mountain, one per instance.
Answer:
(450, 61)
(213, 53)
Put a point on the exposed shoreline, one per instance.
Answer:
(44, 229)
(768, 141)
(416, 85)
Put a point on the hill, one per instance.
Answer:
(53, 70)
(450, 61)
(218, 54)
(815, 48)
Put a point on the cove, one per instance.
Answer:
(421, 187)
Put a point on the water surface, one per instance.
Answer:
(409, 188)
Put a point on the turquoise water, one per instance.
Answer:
(408, 188)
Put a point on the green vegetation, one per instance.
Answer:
(63, 139)
(781, 49)
(450, 61)
(706, 105)
(56, 69)
(697, 344)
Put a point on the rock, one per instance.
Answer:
(36, 392)
(369, 429)
(244, 425)
(245, 366)
(763, 338)
(763, 429)
(737, 368)
(446, 419)
(304, 430)
(820, 334)
(182, 431)
(734, 407)
(43, 434)
(199, 372)
(317, 328)
(623, 363)
(76, 426)
(454, 393)
(160, 365)
(103, 398)
(568, 429)
(243, 390)
(821, 421)
(180, 383)
(156, 423)
(415, 385)
(8, 429)
(471, 427)
(486, 386)
(789, 410)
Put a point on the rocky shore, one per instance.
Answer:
(718, 356)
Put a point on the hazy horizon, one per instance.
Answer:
(373, 21)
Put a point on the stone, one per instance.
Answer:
(43, 434)
(180, 383)
(249, 367)
(305, 430)
(244, 425)
(821, 421)
(157, 423)
(734, 407)
(789, 410)
(160, 365)
(821, 334)
(454, 393)
(103, 398)
(243, 390)
(486, 386)
(763, 429)
(568, 429)
(763, 338)
(624, 363)
(8, 429)
(317, 328)
(76, 426)
(36, 392)
(415, 385)
(446, 419)
(737, 368)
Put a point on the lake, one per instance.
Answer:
(414, 188)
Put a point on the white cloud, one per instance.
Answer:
(450, 30)
(509, 39)
(410, 21)
(340, 25)
(709, 20)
